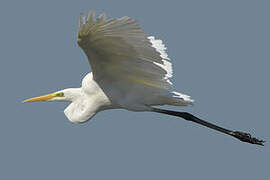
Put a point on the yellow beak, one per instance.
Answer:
(41, 98)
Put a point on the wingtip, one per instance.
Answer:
(91, 16)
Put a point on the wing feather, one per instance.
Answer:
(118, 49)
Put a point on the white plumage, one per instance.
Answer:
(129, 71)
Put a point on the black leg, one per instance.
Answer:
(245, 137)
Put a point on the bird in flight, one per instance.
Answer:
(129, 71)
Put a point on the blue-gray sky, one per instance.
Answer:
(220, 53)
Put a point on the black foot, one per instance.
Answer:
(246, 137)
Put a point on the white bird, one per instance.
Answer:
(129, 71)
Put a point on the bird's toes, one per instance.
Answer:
(246, 137)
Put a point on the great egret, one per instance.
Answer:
(129, 71)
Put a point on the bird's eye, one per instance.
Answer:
(61, 94)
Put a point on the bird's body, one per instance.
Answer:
(129, 71)
(94, 97)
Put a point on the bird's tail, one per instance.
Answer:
(179, 99)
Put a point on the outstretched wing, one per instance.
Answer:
(118, 50)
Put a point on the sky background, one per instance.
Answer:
(220, 52)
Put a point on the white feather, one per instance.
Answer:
(167, 66)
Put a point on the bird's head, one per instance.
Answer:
(63, 95)
(80, 110)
